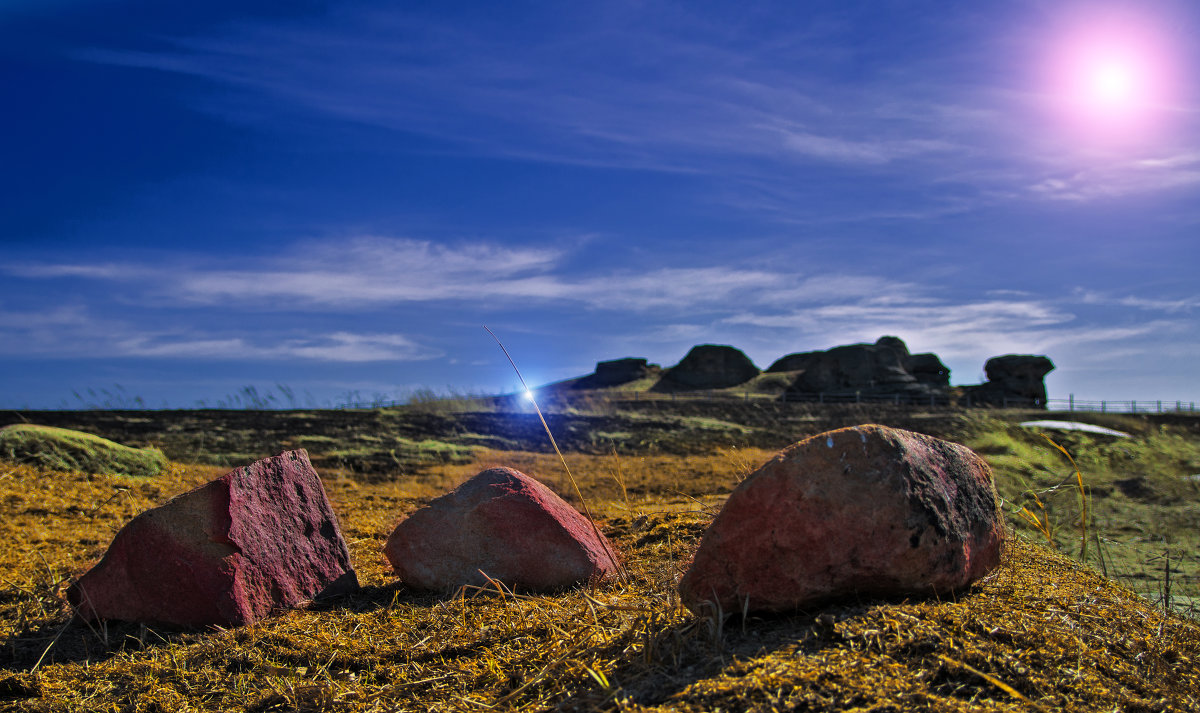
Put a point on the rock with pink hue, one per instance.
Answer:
(254, 540)
(505, 524)
(857, 512)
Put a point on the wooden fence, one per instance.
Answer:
(583, 398)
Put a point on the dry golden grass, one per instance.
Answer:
(1041, 633)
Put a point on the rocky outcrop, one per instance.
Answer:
(882, 368)
(857, 512)
(506, 525)
(1013, 379)
(617, 372)
(228, 553)
(709, 366)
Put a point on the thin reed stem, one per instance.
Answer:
(579, 493)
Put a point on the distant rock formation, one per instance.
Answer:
(882, 368)
(709, 366)
(1016, 378)
(616, 372)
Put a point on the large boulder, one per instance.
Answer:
(883, 368)
(710, 366)
(857, 512)
(254, 540)
(1020, 375)
(63, 449)
(506, 525)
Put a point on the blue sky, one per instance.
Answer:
(335, 196)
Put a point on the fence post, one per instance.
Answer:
(857, 397)
(1160, 406)
(1071, 403)
(1133, 407)
(821, 397)
(1103, 406)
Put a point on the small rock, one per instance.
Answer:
(227, 553)
(864, 511)
(506, 524)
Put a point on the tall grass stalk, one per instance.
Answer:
(1043, 523)
(575, 485)
(1083, 499)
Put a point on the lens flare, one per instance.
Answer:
(1110, 76)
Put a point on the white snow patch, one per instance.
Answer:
(1075, 426)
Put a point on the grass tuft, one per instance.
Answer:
(63, 449)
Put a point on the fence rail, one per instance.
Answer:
(1069, 404)
(1121, 406)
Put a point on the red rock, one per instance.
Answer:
(256, 539)
(506, 524)
(865, 511)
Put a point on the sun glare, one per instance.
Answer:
(1113, 84)
(1110, 76)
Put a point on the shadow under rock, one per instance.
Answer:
(73, 640)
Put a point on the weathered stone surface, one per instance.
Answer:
(1020, 375)
(928, 369)
(882, 368)
(710, 366)
(616, 372)
(856, 512)
(256, 539)
(506, 524)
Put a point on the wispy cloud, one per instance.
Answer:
(640, 88)
(1168, 306)
(1121, 178)
(75, 332)
(335, 347)
(367, 272)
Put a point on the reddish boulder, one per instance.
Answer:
(227, 553)
(863, 511)
(506, 524)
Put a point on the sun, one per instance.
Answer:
(1112, 84)
(1109, 76)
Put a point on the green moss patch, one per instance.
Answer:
(63, 449)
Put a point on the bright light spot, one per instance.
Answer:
(1110, 74)
(1113, 84)
(529, 394)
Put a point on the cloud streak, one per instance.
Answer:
(295, 307)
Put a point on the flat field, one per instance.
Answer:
(1054, 628)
